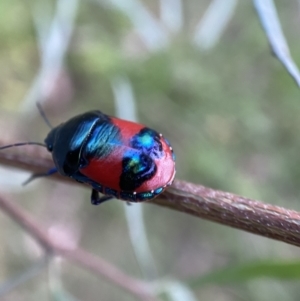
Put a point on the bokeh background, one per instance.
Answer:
(211, 86)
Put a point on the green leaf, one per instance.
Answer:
(249, 271)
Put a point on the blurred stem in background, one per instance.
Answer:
(53, 38)
(126, 109)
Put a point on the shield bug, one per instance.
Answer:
(117, 158)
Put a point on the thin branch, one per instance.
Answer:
(235, 211)
(125, 106)
(270, 22)
(80, 257)
(214, 22)
(35, 269)
(150, 30)
(53, 47)
(218, 206)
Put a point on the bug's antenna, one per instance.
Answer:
(39, 106)
(21, 144)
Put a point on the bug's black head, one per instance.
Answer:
(65, 148)
(49, 141)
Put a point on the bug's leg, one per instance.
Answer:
(97, 200)
(39, 175)
(95, 197)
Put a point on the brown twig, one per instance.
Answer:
(80, 257)
(222, 207)
(235, 211)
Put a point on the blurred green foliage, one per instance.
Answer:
(231, 114)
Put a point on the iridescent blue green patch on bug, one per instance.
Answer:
(148, 141)
(137, 167)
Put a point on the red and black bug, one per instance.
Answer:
(118, 158)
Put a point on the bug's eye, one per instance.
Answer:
(50, 147)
